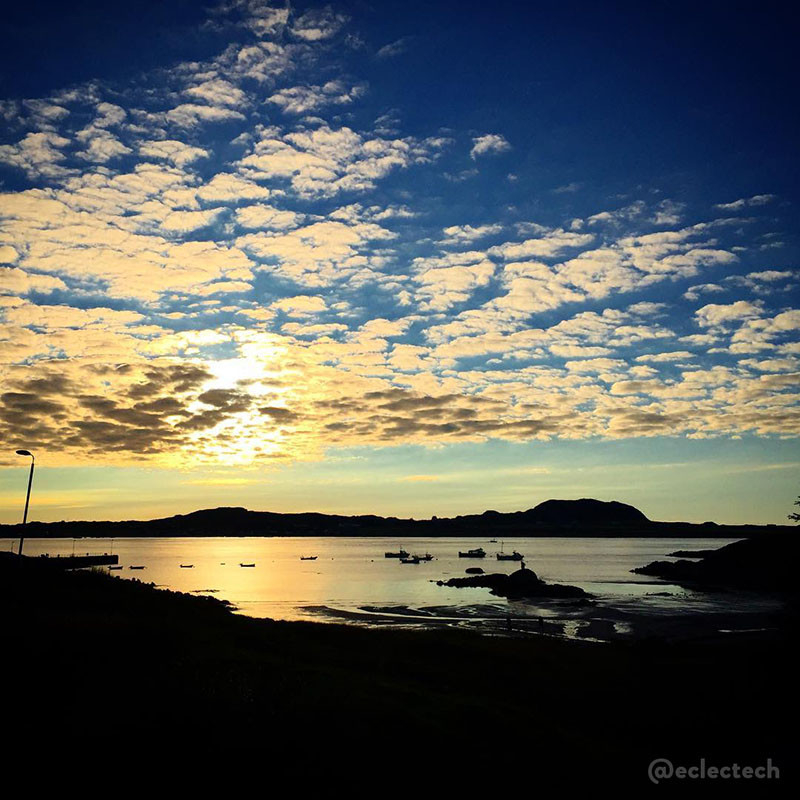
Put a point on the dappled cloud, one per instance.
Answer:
(233, 262)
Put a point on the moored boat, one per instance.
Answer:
(410, 560)
(401, 553)
(476, 552)
(514, 556)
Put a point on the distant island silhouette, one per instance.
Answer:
(578, 518)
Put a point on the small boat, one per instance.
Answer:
(187, 566)
(410, 560)
(135, 567)
(493, 540)
(476, 552)
(246, 565)
(503, 556)
(474, 571)
(115, 566)
(308, 558)
(426, 557)
(401, 553)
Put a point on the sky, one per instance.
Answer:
(406, 258)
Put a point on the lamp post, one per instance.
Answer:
(27, 497)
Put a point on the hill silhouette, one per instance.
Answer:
(584, 517)
(586, 512)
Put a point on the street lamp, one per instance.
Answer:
(27, 497)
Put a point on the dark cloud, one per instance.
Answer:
(279, 414)
(14, 403)
(54, 412)
(178, 378)
(227, 399)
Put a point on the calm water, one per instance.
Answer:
(351, 575)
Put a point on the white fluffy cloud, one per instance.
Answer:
(241, 256)
(489, 143)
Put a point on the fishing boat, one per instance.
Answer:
(476, 552)
(308, 558)
(401, 553)
(503, 556)
(246, 565)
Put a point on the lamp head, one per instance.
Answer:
(24, 453)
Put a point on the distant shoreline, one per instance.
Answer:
(391, 537)
(552, 519)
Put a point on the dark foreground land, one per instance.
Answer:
(96, 663)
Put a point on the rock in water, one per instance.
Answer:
(520, 584)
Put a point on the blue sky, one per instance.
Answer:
(417, 258)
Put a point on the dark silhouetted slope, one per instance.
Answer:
(767, 563)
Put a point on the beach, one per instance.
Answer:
(100, 660)
(351, 581)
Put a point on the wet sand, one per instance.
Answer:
(566, 619)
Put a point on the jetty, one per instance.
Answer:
(63, 562)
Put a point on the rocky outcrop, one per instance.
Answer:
(523, 583)
(767, 563)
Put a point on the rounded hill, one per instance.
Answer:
(585, 512)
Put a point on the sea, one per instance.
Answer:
(351, 581)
